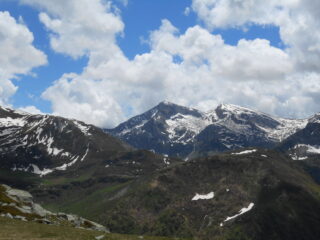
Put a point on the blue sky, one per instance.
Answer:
(141, 19)
(31, 87)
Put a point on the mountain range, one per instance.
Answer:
(183, 132)
(230, 173)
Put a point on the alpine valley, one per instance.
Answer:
(171, 172)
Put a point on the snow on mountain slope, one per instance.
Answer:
(238, 118)
(176, 130)
(304, 143)
(188, 124)
(177, 119)
(167, 129)
(42, 144)
(286, 128)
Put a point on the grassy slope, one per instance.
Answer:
(16, 229)
(96, 200)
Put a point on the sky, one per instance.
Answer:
(103, 61)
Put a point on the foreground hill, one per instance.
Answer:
(19, 204)
(185, 132)
(247, 194)
(19, 230)
(22, 218)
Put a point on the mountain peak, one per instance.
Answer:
(166, 105)
(315, 118)
(234, 108)
(165, 102)
(8, 114)
(170, 109)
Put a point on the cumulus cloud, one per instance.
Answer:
(249, 60)
(78, 27)
(17, 54)
(298, 21)
(73, 96)
(194, 68)
(31, 109)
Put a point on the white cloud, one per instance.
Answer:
(73, 96)
(298, 21)
(195, 68)
(249, 60)
(187, 11)
(78, 27)
(17, 54)
(31, 109)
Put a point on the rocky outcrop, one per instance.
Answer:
(18, 204)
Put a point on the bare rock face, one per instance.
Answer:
(18, 195)
(18, 204)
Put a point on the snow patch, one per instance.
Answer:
(12, 122)
(188, 124)
(297, 158)
(203, 196)
(286, 128)
(43, 172)
(128, 130)
(84, 156)
(242, 211)
(56, 151)
(33, 169)
(302, 150)
(66, 165)
(83, 128)
(309, 148)
(65, 154)
(245, 152)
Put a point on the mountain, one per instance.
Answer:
(179, 131)
(236, 127)
(43, 144)
(304, 143)
(166, 129)
(304, 146)
(47, 145)
(245, 194)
